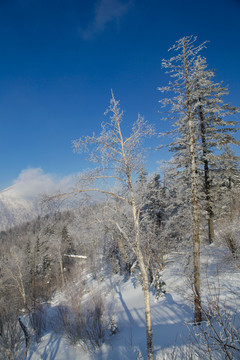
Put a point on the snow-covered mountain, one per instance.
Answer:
(21, 201)
(16, 208)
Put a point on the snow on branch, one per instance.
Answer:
(76, 256)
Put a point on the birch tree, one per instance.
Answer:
(118, 160)
(15, 275)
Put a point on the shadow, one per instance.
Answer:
(171, 321)
(135, 282)
(50, 349)
(127, 312)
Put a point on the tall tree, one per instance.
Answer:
(118, 160)
(201, 126)
(185, 145)
(216, 128)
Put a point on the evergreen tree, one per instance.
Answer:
(216, 128)
(226, 183)
(201, 126)
(152, 219)
(185, 146)
(66, 247)
(177, 228)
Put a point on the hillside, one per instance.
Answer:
(174, 332)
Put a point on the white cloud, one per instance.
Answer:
(106, 11)
(33, 181)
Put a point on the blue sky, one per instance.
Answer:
(60, 59)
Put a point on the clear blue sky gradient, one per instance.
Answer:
(60, 59)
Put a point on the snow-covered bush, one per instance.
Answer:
(82, 322)
(113, 327)
(218, 335)
(158, 284)
(229, 235)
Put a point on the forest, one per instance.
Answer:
(129, 223)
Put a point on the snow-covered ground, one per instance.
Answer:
(172, 314)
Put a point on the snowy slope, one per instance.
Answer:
(172, 314)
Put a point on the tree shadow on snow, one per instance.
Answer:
(50, 349)
(169, 323)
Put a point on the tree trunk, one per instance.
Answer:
(148, 317)
(206, 179)
(26, 334)
(139, 254)
(21, 287)
(144, 273)
(193, 171)
(61, 266)
(34, 279)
